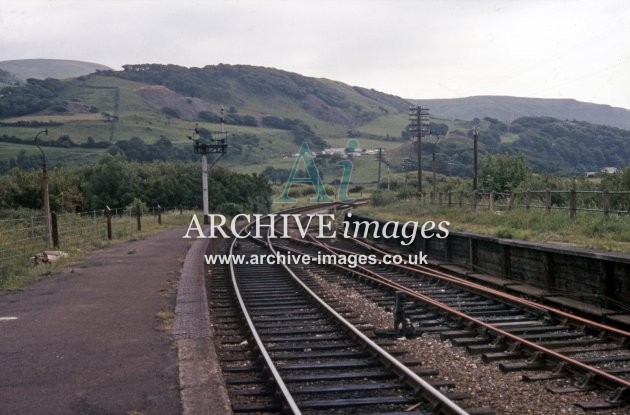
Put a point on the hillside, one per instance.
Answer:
(269, 91)
(506, 109)
(23, 69)
(147, 112)
(268, 113)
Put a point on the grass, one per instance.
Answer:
(21, 238)
(590, 230)
(165, 319)
(138, 118)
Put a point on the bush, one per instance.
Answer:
(135, 205)
(383, 197)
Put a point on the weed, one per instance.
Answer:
(589, 230)
(165, 319)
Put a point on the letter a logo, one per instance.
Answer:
(313, 178)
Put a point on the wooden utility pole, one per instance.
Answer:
(379, 157)
(47, 218)
(419, 123)
(434, 168)
(475, 135)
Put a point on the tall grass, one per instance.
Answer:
(23, 234)
(589, 230)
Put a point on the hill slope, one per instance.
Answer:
(147, 111)
(270, 91)
(507, 108)
(49, 68)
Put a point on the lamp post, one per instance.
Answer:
(47, 219)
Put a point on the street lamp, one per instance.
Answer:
(47, 218)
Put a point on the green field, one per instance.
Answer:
(137, 117)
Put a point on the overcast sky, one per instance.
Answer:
(411, 48)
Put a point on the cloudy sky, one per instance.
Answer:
(411, 48)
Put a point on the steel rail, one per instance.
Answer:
(462, 282)
(366, 273)
(430, 393)
(277, 378)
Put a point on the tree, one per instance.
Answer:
(503, 173)
(171, 112)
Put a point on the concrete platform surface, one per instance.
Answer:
(88, 341)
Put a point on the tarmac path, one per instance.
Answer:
(88, 340)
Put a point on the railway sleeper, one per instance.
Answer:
(588, 383)
(255, 407)
(558, 372)
(354, 402)
(330, 376)
(620, 397)
(331, 365)
(468, 341)
(452, 334)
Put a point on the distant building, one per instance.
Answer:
(334, 150)
(609, 170)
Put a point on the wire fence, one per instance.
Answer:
(573, 201)
(23, 238)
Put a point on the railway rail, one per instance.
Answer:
(520, 333)
(297, 353)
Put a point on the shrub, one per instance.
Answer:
(383, 197)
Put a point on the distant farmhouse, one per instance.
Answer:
(604, 170)
(609, 170)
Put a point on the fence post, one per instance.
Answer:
(55, 229)
(138, 215)
(181, 209)
(473, 200)
(547, 200)
(461, 198)
(511, 203)
(572, 204)
(605, 203)
(528, 199)
(491, 203)
(450, 200)
(159, 213)
(108, 214)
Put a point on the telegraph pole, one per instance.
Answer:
(419, 123)
(379, 157)
(406, 164)
(47, 218)
(475, 135)
(434, 168)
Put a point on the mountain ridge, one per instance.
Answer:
(269, 112)
(24, 69)
(507, 108)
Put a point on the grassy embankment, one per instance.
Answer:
(590, 230)
(79, 235)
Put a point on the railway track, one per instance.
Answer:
(288, 349)
(520, 334)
